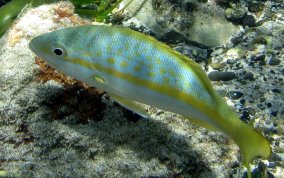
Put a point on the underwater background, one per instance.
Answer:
(54, 126)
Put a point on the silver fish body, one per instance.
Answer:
(133, 67)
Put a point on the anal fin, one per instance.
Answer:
(134, 106)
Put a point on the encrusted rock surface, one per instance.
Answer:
(185, 21)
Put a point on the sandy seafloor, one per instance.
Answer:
(50, 128)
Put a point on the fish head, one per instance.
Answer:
(61, 50)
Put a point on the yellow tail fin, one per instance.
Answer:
(251, 143)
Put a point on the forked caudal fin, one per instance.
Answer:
(251, 143)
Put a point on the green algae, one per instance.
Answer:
(95, 9)
(9, 12)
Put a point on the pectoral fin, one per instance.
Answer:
(136, 107)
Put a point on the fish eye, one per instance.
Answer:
(58, 51)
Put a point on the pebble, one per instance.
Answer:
(274, 113)
(234, 53)
(217, 66)
(251, 111)
(217, 52)
(235, 14)
(221, 76)
(245, 116)
(234, 94)
(275, 90)
(274, 61)
(271, 165)
(260, 59)
(231, 61)
(267, 126)
(242, 101)
(281, 155)
(249, 21)
(268, 104)
(249, 76)
(260, 106)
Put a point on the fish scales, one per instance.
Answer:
(133, 67)
(138, 57)
(107, 56)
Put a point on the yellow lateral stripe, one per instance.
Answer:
(183, 60)
(165, 89)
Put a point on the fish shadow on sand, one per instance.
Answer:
(65, 136)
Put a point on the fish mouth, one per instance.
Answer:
(32, 46)
(36, 46)
(35, 49)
